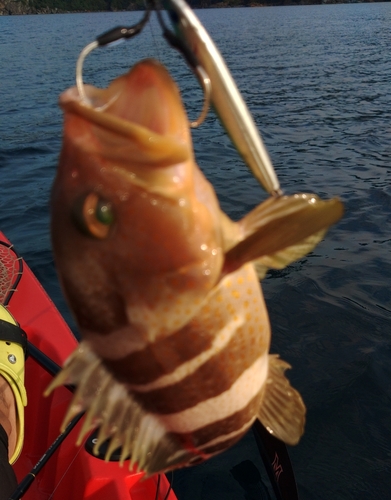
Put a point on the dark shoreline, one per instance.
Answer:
(26, 7)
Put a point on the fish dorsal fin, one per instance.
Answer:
(280, 223)
(120, 418)
(282, 411)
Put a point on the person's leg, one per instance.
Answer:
(8, 414)
(8, 436)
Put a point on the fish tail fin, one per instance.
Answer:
(121, 420)
(284, 228)
(282, 411)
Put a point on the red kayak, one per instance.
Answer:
(71, 472)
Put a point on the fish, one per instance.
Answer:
(174, 364)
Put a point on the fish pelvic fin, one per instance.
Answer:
(293, 224)
(120, 419)
(282, 411)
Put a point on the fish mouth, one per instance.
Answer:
(142, 107)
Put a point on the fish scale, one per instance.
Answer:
(231, 350)
(174, 365)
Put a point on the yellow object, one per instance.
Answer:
(12, 369)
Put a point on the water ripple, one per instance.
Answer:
(316, 79)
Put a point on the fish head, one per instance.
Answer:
(134, 222)
(136, 130)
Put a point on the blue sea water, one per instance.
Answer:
(317, 80)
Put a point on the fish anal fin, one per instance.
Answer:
(280, 223)
(282, 411)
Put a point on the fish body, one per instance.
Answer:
(174, 364)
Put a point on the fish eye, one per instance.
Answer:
(93, 215)
(104, 212)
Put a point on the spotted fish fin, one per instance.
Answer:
(282, 411)
(120, 419)
(284, 257)
(280, 223)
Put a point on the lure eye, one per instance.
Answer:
(94, 216)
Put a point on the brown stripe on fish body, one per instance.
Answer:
(217, 374)
(166, 354)
(237, 292)
(224, 445)
(162, 356)
(212, 378)
(197, 442)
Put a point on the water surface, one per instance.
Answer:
(316, 79)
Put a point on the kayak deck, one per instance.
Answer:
(72, 472)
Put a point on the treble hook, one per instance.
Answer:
(192, 61)
(112, 36)
(207, 88)
(120, 33)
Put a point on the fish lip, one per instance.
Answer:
(142, 108)
(163, 148)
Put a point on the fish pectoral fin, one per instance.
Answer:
(230, 231)
(281, 223)
(282, 411)
(121, 420)
(284, 257)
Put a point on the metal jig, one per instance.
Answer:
(192, 38)
(218, 86)
(194, 64)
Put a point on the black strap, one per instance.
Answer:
(13, 333)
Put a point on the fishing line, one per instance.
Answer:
(65, 472)
(170, 487)
(156, 46)
(158, 487)
(28, 480)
